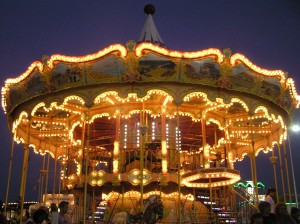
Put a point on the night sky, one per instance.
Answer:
(267, 32)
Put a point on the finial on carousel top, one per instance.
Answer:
(149, 9)
(149, 33)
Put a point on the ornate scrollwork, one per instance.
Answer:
(131, 63)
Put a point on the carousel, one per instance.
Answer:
(139, 126)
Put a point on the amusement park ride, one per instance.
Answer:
(132, 121)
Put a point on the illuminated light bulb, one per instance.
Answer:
(115, 166)
(239, 57)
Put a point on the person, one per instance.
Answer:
(256, 218)
(282, 215)
(40, 216)
(63, 210)
(32, 210)
(3, 219)
(295, 213)
(53, 213)
(265, 209)
(270, 198)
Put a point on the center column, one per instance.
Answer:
(116, 150)
(164, 145)
(143, 131)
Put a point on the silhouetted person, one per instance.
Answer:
(63, 210)
(40, 216)
(270, 198)
(3, 219)
(265, 209)
(256, 218)
(295, 213)
(282, 216)
(54, 213)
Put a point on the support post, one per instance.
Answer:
(206, 153)
(86, 143)
(210, 196)
(143, 131)
(226, 145)
(55, 172)
(254, 163)
(273, 160)
(293, 174)
(47, 178)
(287, 172)
(178, 171)
(164, 143)
(9, 172)
(25, 166)
(281, 172)
(116, 153)
(42, 175)
(94, 206)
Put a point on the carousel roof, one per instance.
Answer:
(227, 90)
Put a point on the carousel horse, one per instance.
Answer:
(153, 212)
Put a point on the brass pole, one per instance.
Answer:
(293, 173)
(42, 179)
(83, 164)
(23, 169)
(93, 209)
(86, 142)
(251, 165)
(122, 197)
(25, 166)
(281, 172)
(146, 140)
(287, 171)
(47, 173)
(203, 132)
(9, 171)
(62, 173)
(226, 145)
(55, 172)
(163, 124)
(143, 130)
(59, 186)
(254, 164)
(47, 177)
(116, 153)
(24, 175)
(228, 159)
(194, 194)
(210, 196)
(216, 138)
(164, 150)
(203, 129)
(273, 161)
(80, 205)
(178, 172)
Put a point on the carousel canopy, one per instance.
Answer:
(241, 104)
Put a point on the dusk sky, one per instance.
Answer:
(267, 32)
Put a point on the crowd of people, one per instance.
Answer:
(43, 215)
(271, 213)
